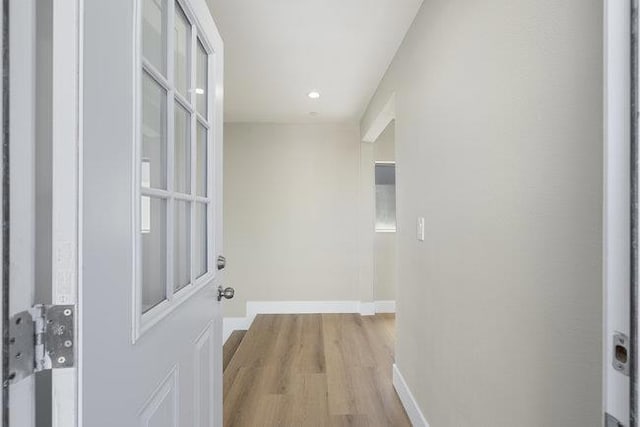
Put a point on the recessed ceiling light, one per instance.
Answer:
(314, 95)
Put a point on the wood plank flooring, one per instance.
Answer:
(314, 370)
(231, 346)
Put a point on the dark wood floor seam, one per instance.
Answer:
(231, 347)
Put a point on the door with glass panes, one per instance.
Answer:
(151, 215)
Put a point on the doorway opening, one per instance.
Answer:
(384, 253)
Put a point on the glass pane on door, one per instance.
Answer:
(181, 246)
(182, 156)
(154, 141)
(200, 243)
(154, 33)
(154, 251)
(202, 68)
(182, 43)
(201, 161)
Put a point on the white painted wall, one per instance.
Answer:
(499, 141)
(384, 147)
(385, 266)
(384, 250)
(291, 213)
(367, 223)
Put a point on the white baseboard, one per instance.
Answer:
(407, 399)
(385, 306)
(301, 307)
(254, 308)
(367, 308)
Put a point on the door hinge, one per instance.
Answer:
(41, 339)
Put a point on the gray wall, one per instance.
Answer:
(499, 141)
(291, 213)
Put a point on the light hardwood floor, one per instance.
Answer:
(314, 370)
(231, 346)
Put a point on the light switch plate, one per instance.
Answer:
(420, 229)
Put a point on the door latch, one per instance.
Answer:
(41, 339)
(620, 359)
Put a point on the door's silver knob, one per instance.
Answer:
(226, 293)
(222, 262)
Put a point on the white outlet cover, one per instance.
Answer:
(420, 229)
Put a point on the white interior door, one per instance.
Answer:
(151, 215)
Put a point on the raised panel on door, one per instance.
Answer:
(204, 373)
(161, 410)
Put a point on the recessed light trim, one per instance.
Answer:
(314, 94)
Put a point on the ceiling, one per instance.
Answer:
(277, 51)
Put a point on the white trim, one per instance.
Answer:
(616, 212)
(384, 117)
(254, 308)
(367, 308)
(408, 401)
(67, 42)
(80, 284)
(385, 306)
(301, 307)
(3, 11)
(154, 315)
(136, 153)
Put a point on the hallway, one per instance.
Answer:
(320, 213)
(314, 370)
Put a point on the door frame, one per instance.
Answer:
(66, 75)
(619, 305)
(4, 210)
(635, 179)
(67, 130)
